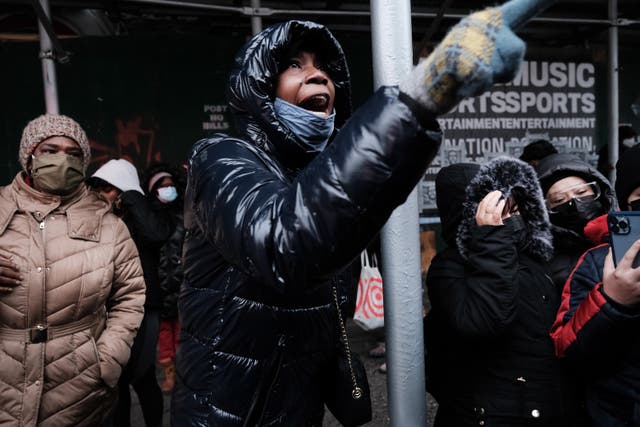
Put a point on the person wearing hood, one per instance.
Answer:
(150, 223)
(577, 197)
(71, 285)
(489, 358)
(275, 216)
(596, 329)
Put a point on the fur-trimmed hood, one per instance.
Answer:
(512, 177)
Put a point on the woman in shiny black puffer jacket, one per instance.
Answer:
(270, 227)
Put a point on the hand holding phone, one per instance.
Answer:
(622, 282)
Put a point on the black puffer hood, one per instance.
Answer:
(512, 177)
(561, 165)
(253, 80)
(451, 184)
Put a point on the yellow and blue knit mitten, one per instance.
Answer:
(480, 50)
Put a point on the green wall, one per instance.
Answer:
(143, 97)
(137, 97)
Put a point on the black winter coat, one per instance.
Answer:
(170, 269)
(269, 229)
(150, 224)
(601, 340)
(489, 357)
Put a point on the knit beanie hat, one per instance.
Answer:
(46, 126)
(627, 176)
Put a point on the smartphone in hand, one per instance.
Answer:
(624, 229)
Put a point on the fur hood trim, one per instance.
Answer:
(512, 177)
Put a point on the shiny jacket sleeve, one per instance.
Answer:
(478, 297)
(590, 328)
(125, 308)
(294, 234)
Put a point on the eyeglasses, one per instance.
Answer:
(580, 193)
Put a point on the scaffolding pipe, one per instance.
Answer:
(48, 66)
(264, 11)
(256, 20)
(613, 119)
(400, 237)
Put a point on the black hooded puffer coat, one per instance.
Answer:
(270, 227)
(489, 357)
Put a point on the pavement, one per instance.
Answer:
(361, 342)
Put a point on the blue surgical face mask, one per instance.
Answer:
(312, 130)
(167, 194)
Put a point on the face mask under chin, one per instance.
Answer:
(312, 131)
(58, 174)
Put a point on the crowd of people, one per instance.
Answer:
(232, 275)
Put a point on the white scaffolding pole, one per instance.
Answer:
(48, 66)
(256, 20)
(400, 240)
(613, 116)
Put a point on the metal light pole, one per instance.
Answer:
(48, 66)
(614, 116)
(256, 21)
(400, 240)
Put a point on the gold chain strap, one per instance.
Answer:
(356, 393)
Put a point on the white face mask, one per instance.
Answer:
(167, 194)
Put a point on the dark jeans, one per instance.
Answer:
(140, 373)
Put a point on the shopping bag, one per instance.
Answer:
(369, 312)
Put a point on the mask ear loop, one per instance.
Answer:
(30, 165)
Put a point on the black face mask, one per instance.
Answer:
(635, 205)
(518, 231)
(575, 214)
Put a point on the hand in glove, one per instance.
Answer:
(480, 50)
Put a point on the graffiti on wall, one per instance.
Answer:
(135, 139)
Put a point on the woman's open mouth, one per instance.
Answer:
(316, 103)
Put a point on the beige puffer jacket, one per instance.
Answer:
(67, 330)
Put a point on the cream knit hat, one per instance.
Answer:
(46, 126)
